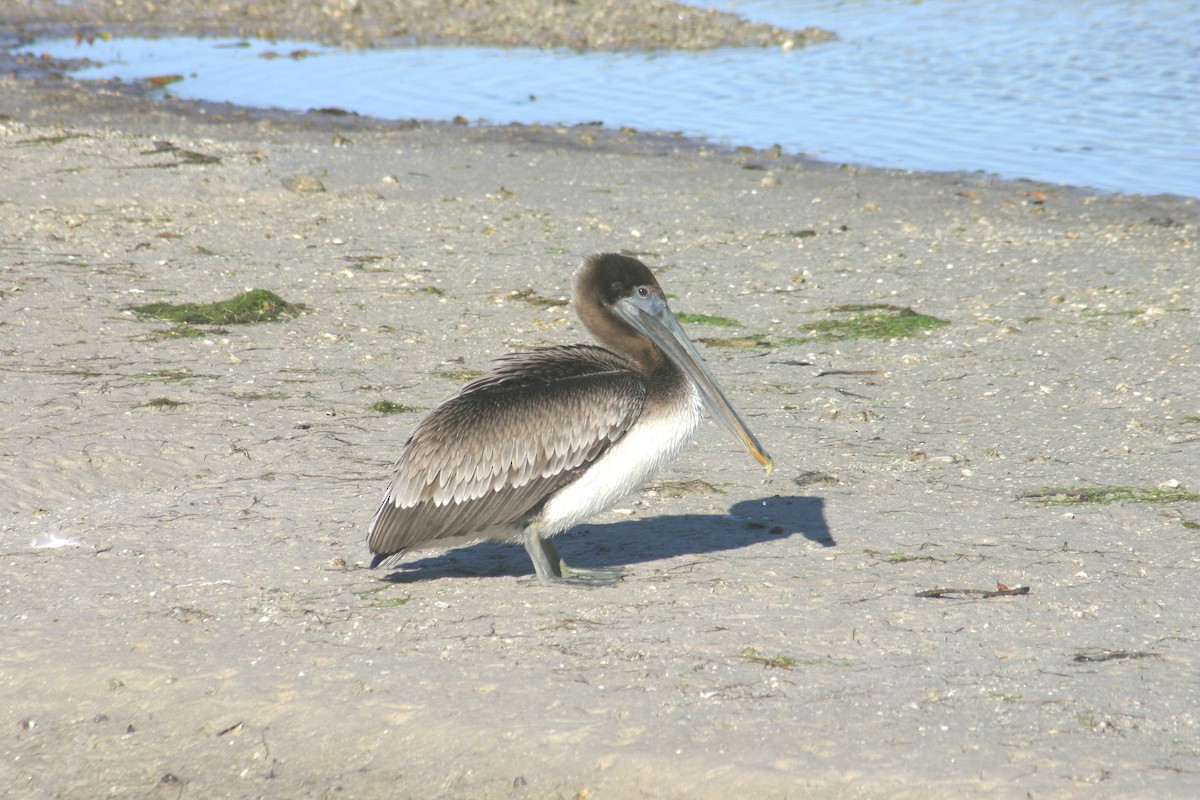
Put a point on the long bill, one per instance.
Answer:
(651, 316)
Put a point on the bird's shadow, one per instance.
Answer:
(620, 544)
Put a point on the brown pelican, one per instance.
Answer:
(553, 436)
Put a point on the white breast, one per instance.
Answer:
(653, 442)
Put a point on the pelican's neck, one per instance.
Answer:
(619, 336)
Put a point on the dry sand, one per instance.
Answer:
(209, 631)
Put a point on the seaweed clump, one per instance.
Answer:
(256, 305)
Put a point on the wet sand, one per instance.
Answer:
(208, 628)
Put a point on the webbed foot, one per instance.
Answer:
(551, 568)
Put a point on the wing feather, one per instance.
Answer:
(489, 456)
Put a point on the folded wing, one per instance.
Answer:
(489, 457)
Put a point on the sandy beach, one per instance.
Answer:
(185, 606)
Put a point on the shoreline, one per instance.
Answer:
(49, 87)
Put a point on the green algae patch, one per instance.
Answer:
(388, 407)
(459, 375)
(162, 404)
(789, 662)
(256, 305)
(535, 299)
(182, 332)
(165, 375)
(753, 340)
(1103, 495)
(875, 321)
(390, 602)
(381, 602)
(708, 319)
(778, 662)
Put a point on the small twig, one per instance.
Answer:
(823, 373)
(1093, 656)
(234, 728)
(952, 594)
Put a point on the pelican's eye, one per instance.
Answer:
(643, 291)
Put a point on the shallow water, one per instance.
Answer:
(1099, 94)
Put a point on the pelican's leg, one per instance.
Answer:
(551, 568)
